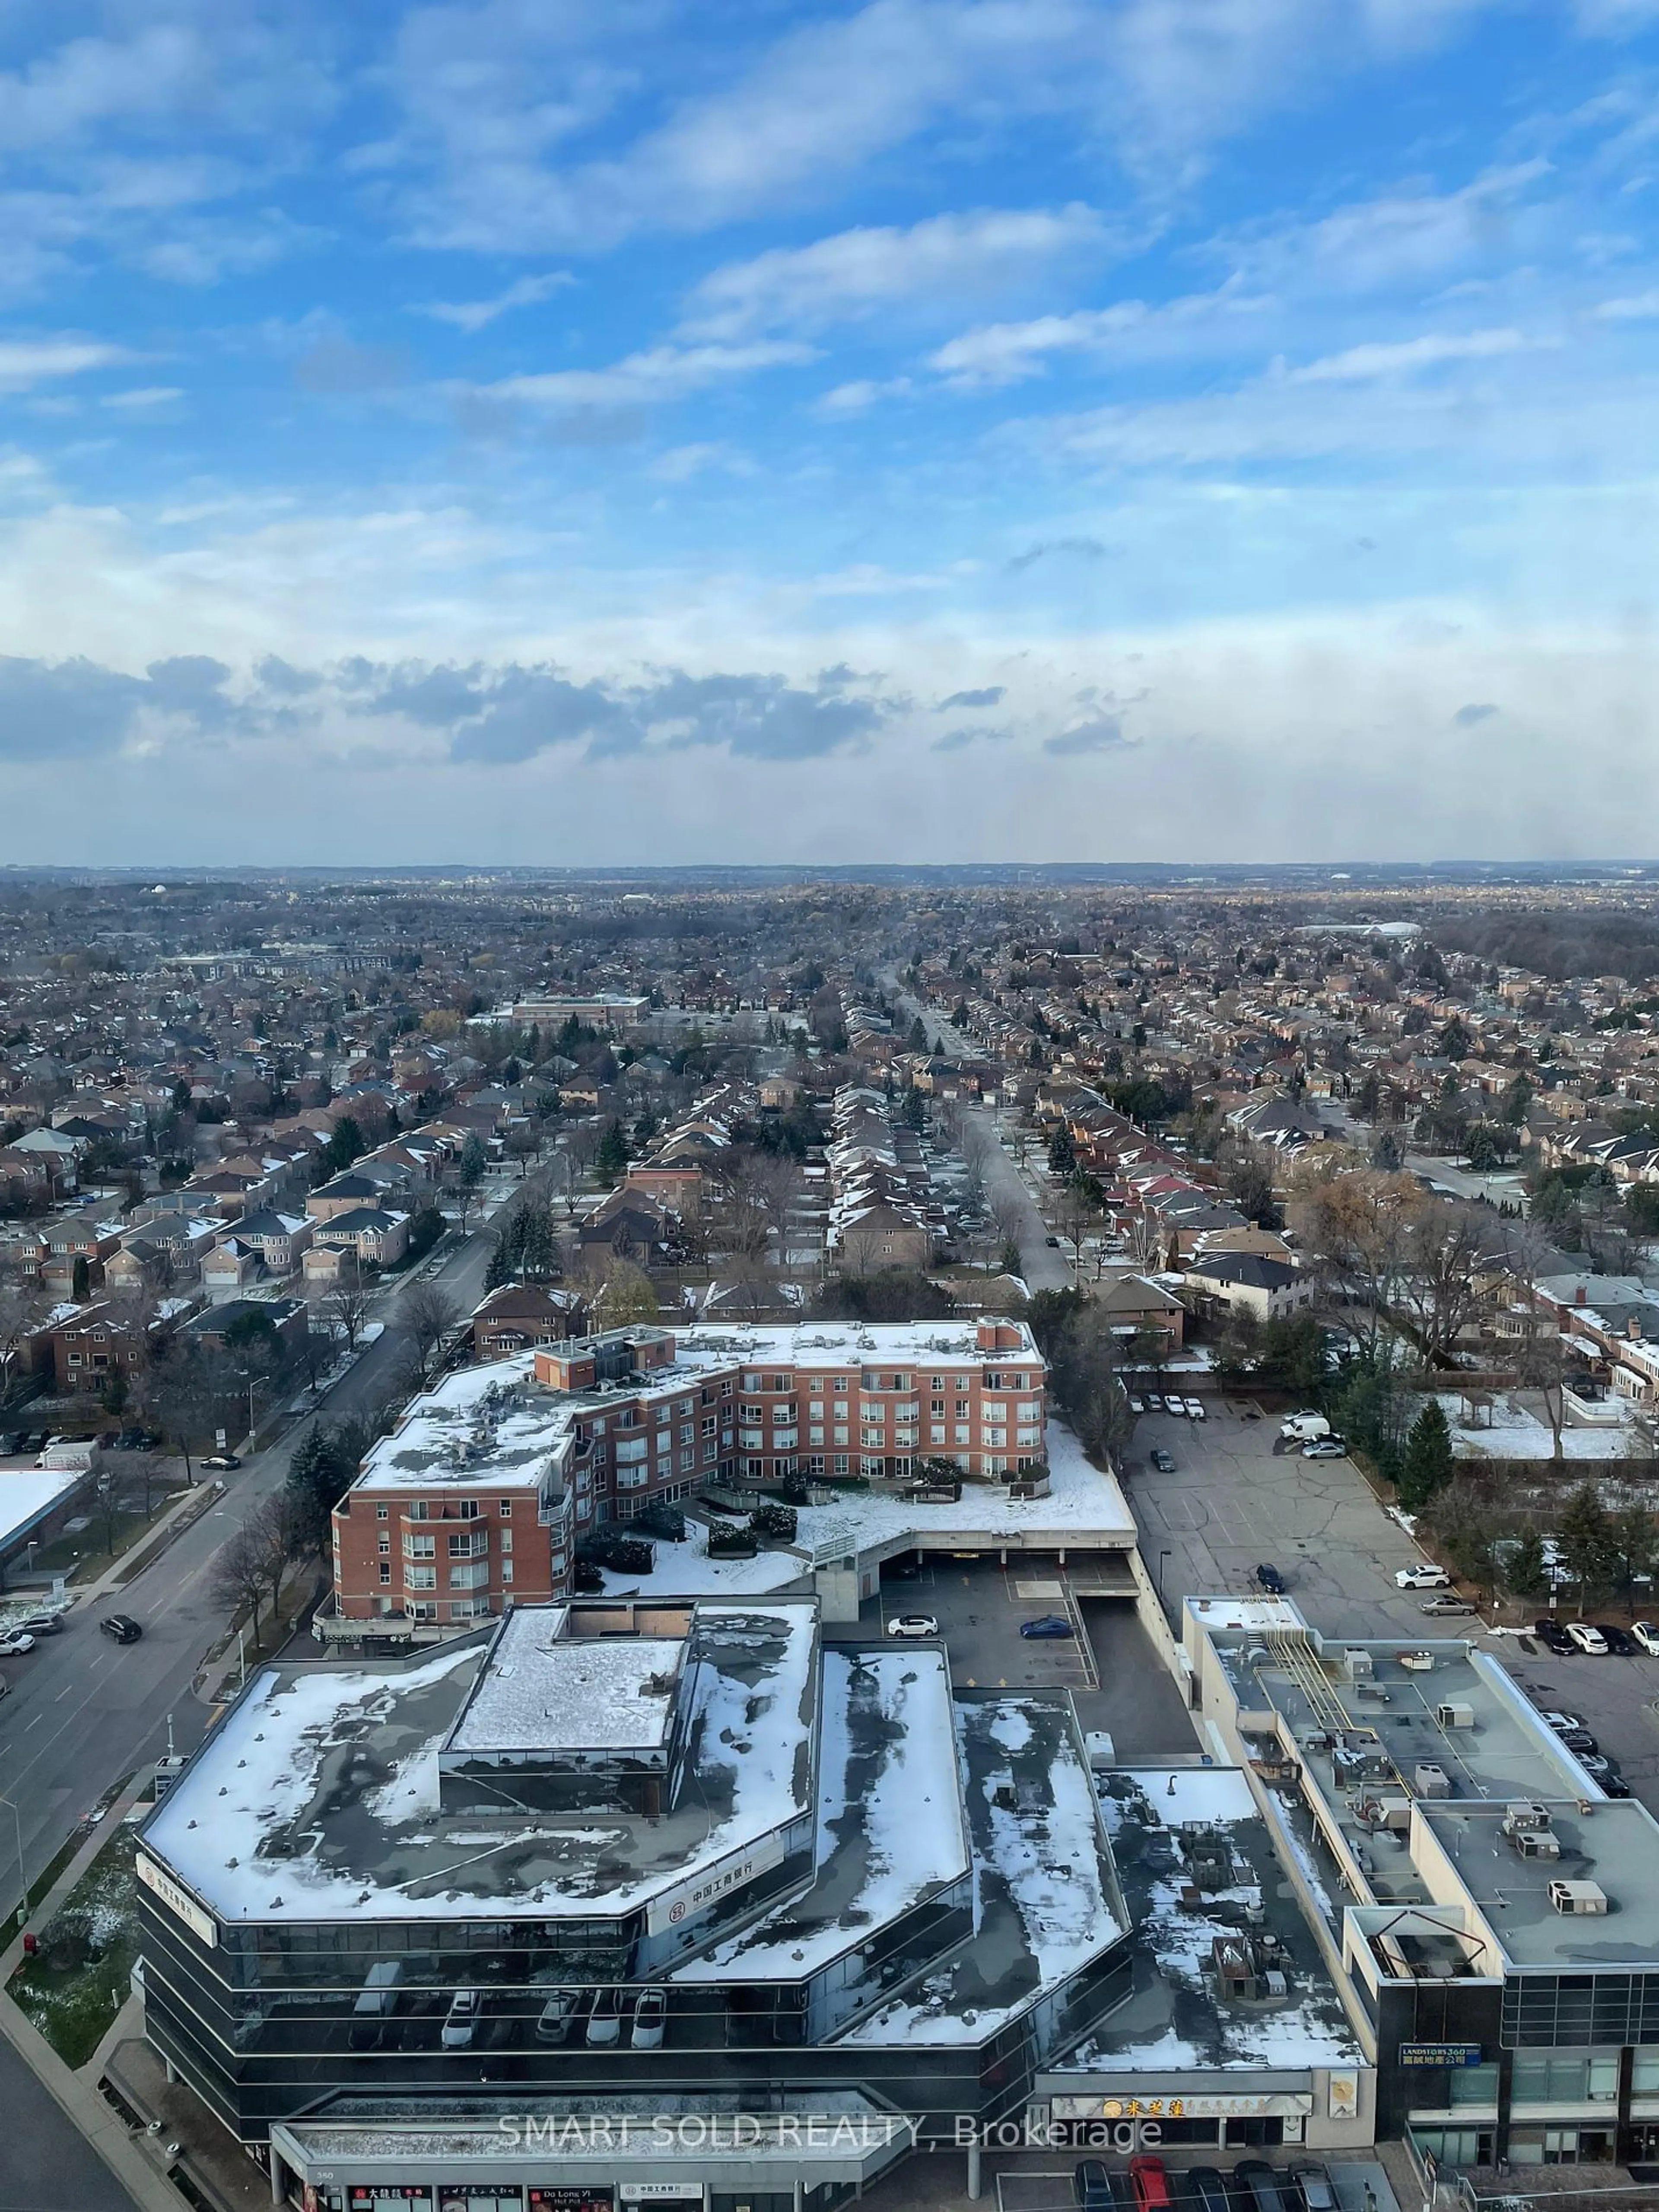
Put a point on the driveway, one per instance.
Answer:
(1233, 1501)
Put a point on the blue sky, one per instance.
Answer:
(934, 430)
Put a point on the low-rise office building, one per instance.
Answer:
(1490, 1917)
(608, 1864)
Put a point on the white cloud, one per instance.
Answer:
(661, 373)
(1400, 238)
(862, 393)
(24, 361)
(856, 272)
(1358, 364)
(1007, 353)
(1638, 307)
(146, 396)
(471, 315)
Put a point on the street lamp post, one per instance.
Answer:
(22, 1875)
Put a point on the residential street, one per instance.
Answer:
(1043, 1266)
(83, 1711)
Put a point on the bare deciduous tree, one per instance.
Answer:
(427, 1314)
(348, 1303)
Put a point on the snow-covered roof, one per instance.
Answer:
(321, 1796)
(542, 1688)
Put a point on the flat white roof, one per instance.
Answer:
(583, 1694)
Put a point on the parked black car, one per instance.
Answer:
(1553, 1637)
(1091, 2186)
(1618, 1641)
(1263, 2185)
(1203, 2189)
(1269, 1579)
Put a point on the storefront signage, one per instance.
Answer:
(594, 2199)
(662, 2192)
(1342, 2094)
(692, 1896)
(177, 1900)
(1438, 2054)
(1283, 2104)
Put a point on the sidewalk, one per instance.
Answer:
(133, 2165)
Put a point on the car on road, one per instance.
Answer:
(1196, 1410)
(1425, 1576)
(1590, 1640)
(16, 1640)
(45, 1623)
(1445, 1601)
(1553, 1637)
(1325, 1448)
(1161, 1461)
(1052, 1241)
(461, 2020)
(221, 1462)
(121, 1627)
(1647, 1635)
(910, 1626)
(1046, 1624)
(1618, 1641)
(1269, 1579)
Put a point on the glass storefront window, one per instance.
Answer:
(1564, 2077)
(1474, 2086)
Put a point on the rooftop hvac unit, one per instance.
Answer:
(1454, 1714)
(1578, 1896)
(1275, 1985)
(1357, 1665)
(1430, 1781)
(1524, 1814)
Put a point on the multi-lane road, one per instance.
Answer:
(83, 1711)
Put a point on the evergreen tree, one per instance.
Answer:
(345, 1146)
(610, 1161)
(1586, 1541)
(1062, 1152)
(1427, 1467)
(1526, 1571)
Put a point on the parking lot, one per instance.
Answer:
(1116, 1678)
(1618, 1699)
(1233, 1501)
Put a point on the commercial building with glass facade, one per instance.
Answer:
(760, 1908)
(1490, 1917)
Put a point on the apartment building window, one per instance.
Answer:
(842, 1435)
(780, 1382)
(754, 1468)
(505, 1509)
(1030, 1409)
(871, 1464)
(815, 1464)
(468, 1544)
(420, 1548)
(711, 1452)
(840, 1463)
(841, 1386)
(383, 1543)
(814, 1388)
(421, 1578)
(752, 1382)
(416, 1510)
(987, 1411)
(815, 1436)
(386, 1570)
(710, 1423)
(1563, 2077)
(939, 1382)
(468, 1509)
(382, 1512)
(688, 1431)
(965, 1381)
(962, 1433)
(475, 1575)
(935, 1433)
(507, 1542)
(428, 1611)
(936, 1407)
(688, 1459)
(751, 1412)
(991, 1380)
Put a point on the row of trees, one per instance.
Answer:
(292, 1526)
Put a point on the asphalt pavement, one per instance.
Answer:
(83, 1711)
(48, 2165)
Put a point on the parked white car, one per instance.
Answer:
(1422, 1577)
(1196, 1410)
(910, 1626)
(650, 2019)
(1647, 1635)
(1590, 1640)
(461, 2020)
